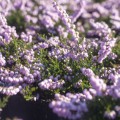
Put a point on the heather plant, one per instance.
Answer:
(66, 53)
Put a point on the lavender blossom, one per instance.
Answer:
(7, 32)
(67, 21)
(26, 37)
(110, 115)
(97, 83)
(49, 84)
(64, 106)
(2, 60)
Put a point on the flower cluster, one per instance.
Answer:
(6, 32)
(67, 21)
(69, 106)
(48, 84)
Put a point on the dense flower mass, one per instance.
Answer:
(65, 51)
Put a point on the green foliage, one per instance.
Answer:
(17, 19)
(29, 92)
(98, 106)
(116, 49)
(14, 48)
(3, 101)
(56, 67)
(99, 1)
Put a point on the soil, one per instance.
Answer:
(19, 109)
